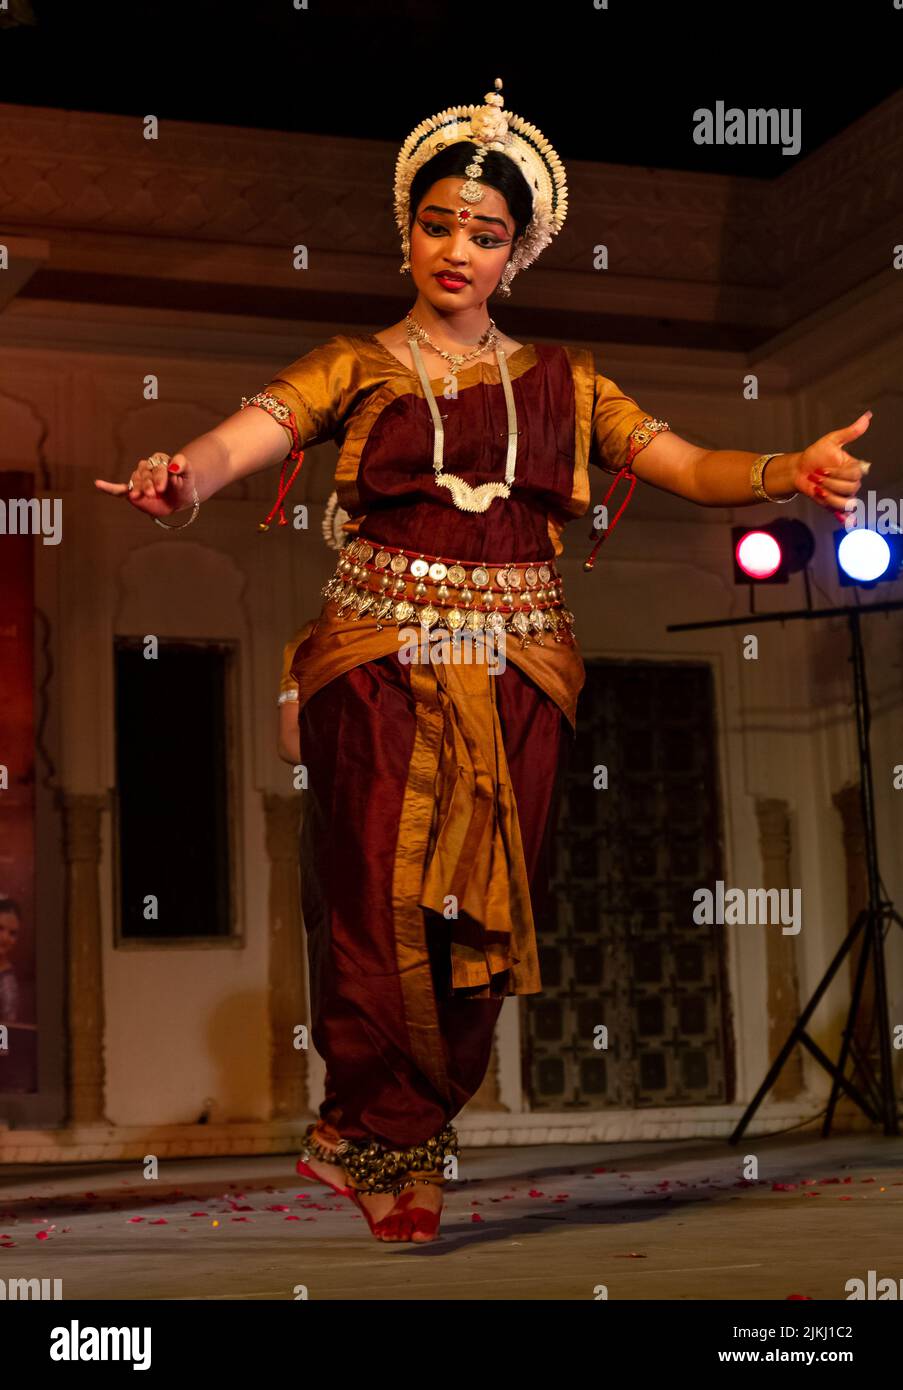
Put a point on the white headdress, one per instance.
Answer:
(489, 128)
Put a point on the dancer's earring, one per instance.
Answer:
(508, 274)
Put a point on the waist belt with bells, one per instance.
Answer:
(524, 598)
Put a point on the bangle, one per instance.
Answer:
(758, 486)
(196, 507)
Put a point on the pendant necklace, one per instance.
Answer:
(465, 497)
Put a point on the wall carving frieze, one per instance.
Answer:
(127, 207)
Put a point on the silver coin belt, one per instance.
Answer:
(398, 586)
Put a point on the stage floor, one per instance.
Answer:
(647, 1221)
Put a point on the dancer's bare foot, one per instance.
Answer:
(377, 1204)
(415, 1215)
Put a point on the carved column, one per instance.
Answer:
(84, 958)
(783, 998)
(288, 972)
(849, 803)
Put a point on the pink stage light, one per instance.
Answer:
(758, 555)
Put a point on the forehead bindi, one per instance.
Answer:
(444, 201)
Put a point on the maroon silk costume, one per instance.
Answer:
(392, 750)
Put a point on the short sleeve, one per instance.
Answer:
(312, 395)
(288, 686)
(620, 428)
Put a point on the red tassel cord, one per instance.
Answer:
(625, 472)
(283, 492)
(285, 417)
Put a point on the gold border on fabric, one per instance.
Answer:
(583, 375)
(414, 828)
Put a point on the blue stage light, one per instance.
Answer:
(863, 555)
(866, 556)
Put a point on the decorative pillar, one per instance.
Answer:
(287, 972)
(84, 958)
(783, 995)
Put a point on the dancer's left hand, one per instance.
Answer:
(828, 474)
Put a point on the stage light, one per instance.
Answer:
(768, 554)
(758, 555)
(866, 557)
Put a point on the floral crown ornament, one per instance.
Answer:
(489, 128)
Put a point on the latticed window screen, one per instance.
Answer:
(619, 947)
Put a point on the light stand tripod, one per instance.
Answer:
(880, 1105)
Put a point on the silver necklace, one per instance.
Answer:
(465, 497)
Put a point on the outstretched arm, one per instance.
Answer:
(824, 471)
(244, 443)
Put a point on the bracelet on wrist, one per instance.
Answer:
(180, 526)
(757, 484)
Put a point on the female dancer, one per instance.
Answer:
(463, 454)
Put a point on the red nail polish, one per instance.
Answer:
(822, 472)
(820, 492)
(174, 468)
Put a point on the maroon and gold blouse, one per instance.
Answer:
(354, 390)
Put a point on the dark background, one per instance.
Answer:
(616, 86)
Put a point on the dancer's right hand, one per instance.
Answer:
(158, 490)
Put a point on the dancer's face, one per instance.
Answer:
(475, 251)
(9, 931)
